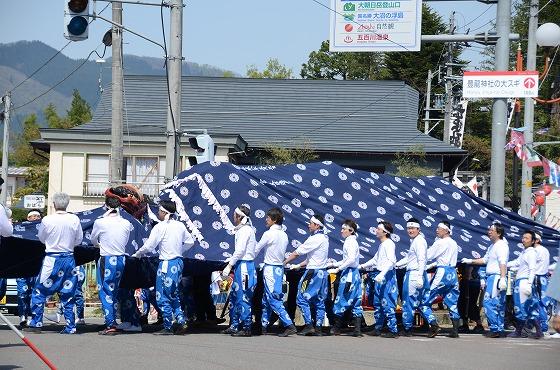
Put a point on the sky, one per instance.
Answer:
(229, 34)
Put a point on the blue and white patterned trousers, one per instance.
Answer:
(273, 297)
(544, 301)
(58, 274)
(129, 309)
(494, 304)
(167, 291)
(445, 284)
(109, 273)
(385, 301)
(349, 295)
(412, 296)
(24, 291)
(241, 296)
(312, 291)
(525, 307)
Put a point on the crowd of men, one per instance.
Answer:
(61, 232)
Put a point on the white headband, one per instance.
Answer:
(244, 217)
(413, 224)
(34, 213)
(164, 210)
(167, 213)
(538, 236)
(110, 210)
(316, 221)
(444, 226)
(351, 229)
(382, 227)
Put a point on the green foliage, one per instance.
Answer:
(228, 74)
(23, 154)
(274, 154)
(412, 163)
(273, 70)
(52, 117)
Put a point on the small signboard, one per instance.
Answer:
(34, 201)
(501, 84)
(375, 25)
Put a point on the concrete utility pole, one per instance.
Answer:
(499, 107)
(116, 168)
(174, 68)
(449, 83)
(428, 102)
(6, 145)
(526, 171)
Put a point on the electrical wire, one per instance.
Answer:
(477, 17)
(65, 78)
(51, 58)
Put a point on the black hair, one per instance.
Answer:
(112, 202)
(387, 226)
(276, 215)
(168, 205)
(351, 223)
(320, 218)
(533, 235)
(413, 220)
(499, 228)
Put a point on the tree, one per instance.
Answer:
(412, 163)
(23, 154)
(79, 113)
(274, 154)
(52, 117)
(273, 70)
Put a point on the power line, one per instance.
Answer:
(51, 58)
(65, 78)
(477, 17)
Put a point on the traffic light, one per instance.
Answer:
(76, 19)
(204, 146)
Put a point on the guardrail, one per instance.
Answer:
(97, 188)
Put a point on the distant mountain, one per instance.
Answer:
(20, 59)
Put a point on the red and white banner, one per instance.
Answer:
(500, 84)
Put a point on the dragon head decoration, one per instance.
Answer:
(131, 199)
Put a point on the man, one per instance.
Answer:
(60, 232)
(444, 283)
(173, 239)
(495, 259)
(110, 234)
(313, 285)
(525, 301)
(25, 285)
(244, 275)
(275, 242)
(415, 279)
(349, 295)
(541, 281)
(6, 229)
(385, 289)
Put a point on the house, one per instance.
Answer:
(14, 181)
(359, 124)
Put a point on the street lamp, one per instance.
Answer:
(548, 35)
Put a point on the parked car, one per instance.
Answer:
(9, 300)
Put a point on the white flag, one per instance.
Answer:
(458, 183)
(473, 186)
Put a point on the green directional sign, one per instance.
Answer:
(349, 7)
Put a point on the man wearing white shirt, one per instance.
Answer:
(349, 295)
(244, 275)
(385, 290)
(110, 233)
(541, 281)
(60, 232)
(275, 242)
(525, 300)
(415, 279)
(495, 259)
(313, 285)
(444, 283)
(173, 240)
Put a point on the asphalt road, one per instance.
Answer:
(89, 350)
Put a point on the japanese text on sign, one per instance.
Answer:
(507, 84)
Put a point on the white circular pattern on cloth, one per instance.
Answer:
(208, 177)
(362, 204)
(482, 213)
(374, 192)
(259, 213)
(60, 273)
(304, 194)
(389, 201)
(297, 178)
(113, 260)
(199, 256)
(322, 199)
(356, 186)
(456, 195)
(184, 191)
(337, 208)
(381, 210)
(296, 202)
(329, 192)
(273, 199)
(338, 251)
(323, 172)
(407, 216)
(431, 198)
(399, 226)
(217, 225)
(398, 179)
(225, 193)
(204, 244)
(296, 243)
(439, 191)
(416, 190)
(233, 177)
(301, 231)
(253, 193)
(197, 223)
(224, 245)
(444, 207)
(461, 212)
(301, 167)
(349, 170)
(328, 217)
(197, 210)
(347, 196)
(421, 182)
(374, 175)
(426, 222)
(316, 183)
(342, 176)
(287, 208)
(355, 214)
(48, 283)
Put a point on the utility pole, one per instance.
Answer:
(449, 83)
(526, 171)
(116, 170)
(174, 69)
(5, 147)
(499, 106)
(428, 102)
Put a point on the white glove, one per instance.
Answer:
(379, 278)
(467, 261)
(431, 266)
(526, 289)
(227, 260)
(227, 270)
(261, 266)
(135, 255)
(333, 271)
(419, 283)
(482, 284)
(502, 284)
(295, 266)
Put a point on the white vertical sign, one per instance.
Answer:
(457, 126)
(375, 25)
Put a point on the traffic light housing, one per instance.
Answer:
(76, 19)
(204, 147)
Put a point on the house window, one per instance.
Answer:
(97, 179)
(144, 172)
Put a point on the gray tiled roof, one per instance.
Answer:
(329, 115)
